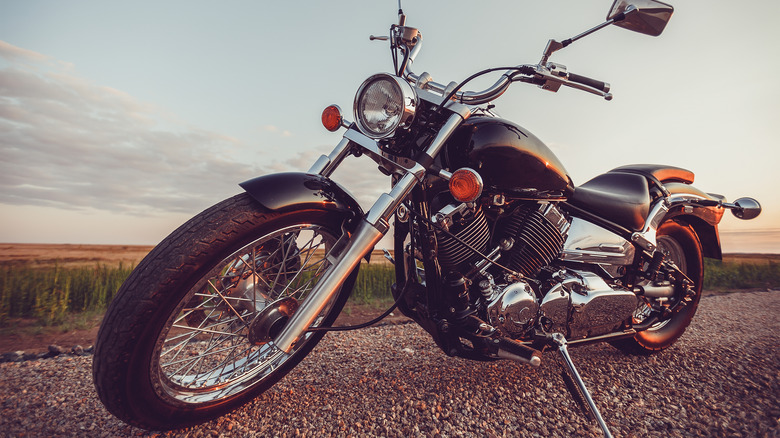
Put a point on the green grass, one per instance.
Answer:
(50, 294)
(53, 295)
(373, 284)
(56, 295)
(742, 275)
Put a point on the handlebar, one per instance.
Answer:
(593, 83)
(532, 73)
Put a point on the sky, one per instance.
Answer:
(121, 120)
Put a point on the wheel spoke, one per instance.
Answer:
(230, 306)
(205, 345)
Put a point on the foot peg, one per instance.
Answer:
(578, 391)
(513, 350)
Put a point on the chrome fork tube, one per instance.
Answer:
(368, 232)
(364, 238)
(326, 164)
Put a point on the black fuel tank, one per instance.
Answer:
(509, 158)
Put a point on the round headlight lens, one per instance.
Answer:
(384, 103)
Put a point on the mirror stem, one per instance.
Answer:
(553, 46)
(589, 31)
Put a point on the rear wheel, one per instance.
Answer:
(182, 342)
(680, 245)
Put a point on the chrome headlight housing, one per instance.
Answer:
(383, 104)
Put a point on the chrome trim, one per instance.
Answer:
(514, 310)
(370, 147)
(445, 132)
(589, 243)
(646, 237)
(326, 164)
(430, 96)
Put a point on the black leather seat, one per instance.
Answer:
(661, 172)
(620, 197)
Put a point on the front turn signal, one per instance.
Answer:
(466, 185)
(332, 118)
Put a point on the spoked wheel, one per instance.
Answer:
(680, 245)
(190, 333)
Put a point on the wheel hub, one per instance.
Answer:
(270, 322)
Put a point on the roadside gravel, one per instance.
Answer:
(721, 379)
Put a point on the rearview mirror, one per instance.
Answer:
(644, 16)
(747, 208)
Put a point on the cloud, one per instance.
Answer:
(69, 143)
(17, 54)
(276, 130)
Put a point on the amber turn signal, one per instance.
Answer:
(332, 118)
(466, 185)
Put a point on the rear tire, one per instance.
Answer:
(681, 245)
(174, 347)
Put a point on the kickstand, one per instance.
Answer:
(580, 391)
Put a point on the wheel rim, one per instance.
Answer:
(675, 253)
(203, 353)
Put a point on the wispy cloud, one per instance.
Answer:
(70, 143)
(276, 130)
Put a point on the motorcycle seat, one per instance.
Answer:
(661, 172)
(620, 197)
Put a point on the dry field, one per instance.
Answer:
(67, 255)
(70, 255)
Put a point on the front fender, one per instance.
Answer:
(297, 190)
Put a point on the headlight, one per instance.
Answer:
(383, 104)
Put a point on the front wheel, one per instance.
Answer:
(680, 245)
(181, 343)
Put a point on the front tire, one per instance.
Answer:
(680, 244)
(175, 349)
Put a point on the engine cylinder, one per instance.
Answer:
(473, 231)
(539, 231)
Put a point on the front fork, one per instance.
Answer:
(350, 249)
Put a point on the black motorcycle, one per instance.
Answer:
(497, 254)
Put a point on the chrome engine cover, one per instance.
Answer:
(582, 305)
(589, 243)
(514, 310)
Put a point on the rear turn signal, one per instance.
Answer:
(332, 118)
(466, 185)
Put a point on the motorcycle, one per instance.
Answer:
(497, 254)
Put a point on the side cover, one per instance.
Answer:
(297, 190)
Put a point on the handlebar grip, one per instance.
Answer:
(599, 85)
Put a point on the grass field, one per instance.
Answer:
(52, 282)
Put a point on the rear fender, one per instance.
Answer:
(297, 190)
(704, 220)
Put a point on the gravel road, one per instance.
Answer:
(721, 379)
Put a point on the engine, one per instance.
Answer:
(580, 304)
(576, 303)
